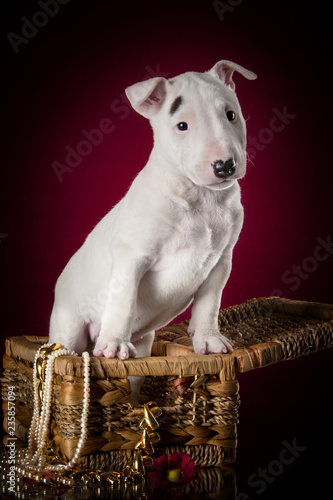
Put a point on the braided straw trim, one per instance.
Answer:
(210, 419)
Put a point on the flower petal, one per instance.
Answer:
(188, 467)
(175, 459)
(186, 459)
(161, 461)
(161, 465)
(192, 474)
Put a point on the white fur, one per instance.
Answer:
(170, 239)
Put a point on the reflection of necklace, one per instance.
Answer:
(35, 458)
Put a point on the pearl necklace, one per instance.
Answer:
(35, 459)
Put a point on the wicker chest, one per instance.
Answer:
(198, 395)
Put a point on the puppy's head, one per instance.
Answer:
(199, 129)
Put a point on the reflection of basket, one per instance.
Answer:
(199, 416)
(213, 481)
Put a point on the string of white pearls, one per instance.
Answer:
(34, 458)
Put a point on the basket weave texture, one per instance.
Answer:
(198, 394)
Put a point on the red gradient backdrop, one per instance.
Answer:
(69, 77)
(69, 74)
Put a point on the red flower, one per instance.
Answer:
(177, 470)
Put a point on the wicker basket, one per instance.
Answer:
(198, 394)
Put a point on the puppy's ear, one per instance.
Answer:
(148, 96)
(225, 69)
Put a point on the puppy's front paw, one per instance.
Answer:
(114, 349)
(211, 341)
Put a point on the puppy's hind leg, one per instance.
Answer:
(68, 328)
(143, 347)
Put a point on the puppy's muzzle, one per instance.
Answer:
(224, 169)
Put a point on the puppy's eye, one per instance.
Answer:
(182, 126)
(231, 115)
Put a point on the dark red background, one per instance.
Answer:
(76, 67)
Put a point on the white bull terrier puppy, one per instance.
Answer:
(170, 240)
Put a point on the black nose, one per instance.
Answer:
(224, 169)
